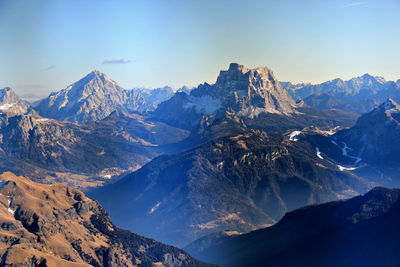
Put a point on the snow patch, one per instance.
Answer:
(293, 135)
(9, 208)
(318, 153)
(341, 168)
(203, 104)
(153, 209)
(6, 106)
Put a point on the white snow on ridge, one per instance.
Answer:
(341, 168)
(9, 208)
(6, 106)
(293, 135)
(318, 153)
(345, 150)
(204, 104)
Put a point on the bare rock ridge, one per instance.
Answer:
(11, 103)
(238, 91)
(93, 97)
(43, 225)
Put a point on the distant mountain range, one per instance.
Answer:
(362, 231)
(240, 183)
(360, 94)
(159, 95)
(219, 160)
(55, 225)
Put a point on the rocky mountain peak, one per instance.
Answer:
(10, 102)
(93, 97)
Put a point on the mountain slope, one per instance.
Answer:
(93, 97)
(11, 103)
(241, 182)
(44, 225)
(362, 231)
(375, 136)
(82, 155)
(373, 140)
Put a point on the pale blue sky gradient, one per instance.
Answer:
(47, 44)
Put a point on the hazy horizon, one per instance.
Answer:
(48, 45)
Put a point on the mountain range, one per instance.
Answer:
(209, 164)
(81, 155)
(360, 94)
(240, 182)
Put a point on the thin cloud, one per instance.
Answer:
(355, 4)
(117, 61)
(49, 68)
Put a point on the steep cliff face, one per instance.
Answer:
(238, 91)
(93, 97)
(43, 225)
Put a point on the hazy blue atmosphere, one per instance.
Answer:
(46, 45)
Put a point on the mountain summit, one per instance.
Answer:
(238, 91)
(93, 97)
(10, 102)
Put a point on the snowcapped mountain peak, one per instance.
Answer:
(10, 102)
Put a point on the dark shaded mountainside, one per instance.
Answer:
(240, 182)
(371, 148)
(93, 97)
(359, 94)
(362, 231)
(82, 155)
(54, 225)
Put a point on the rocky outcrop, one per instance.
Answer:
(43, 225)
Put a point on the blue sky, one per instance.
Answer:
(47, 44)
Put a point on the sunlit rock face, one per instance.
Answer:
(238, 91)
